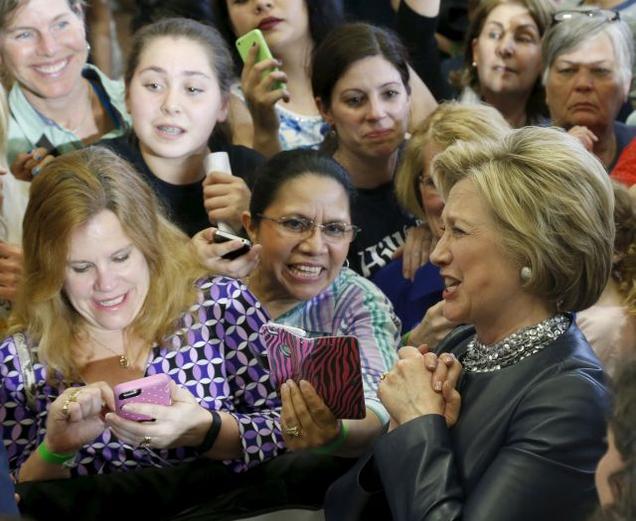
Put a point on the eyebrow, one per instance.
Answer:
(126, 249)
(25, 27)
(597, 62)
(154, 68)
(520, 26)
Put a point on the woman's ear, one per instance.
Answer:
(248, 225)
(325, 112)
(224, 108)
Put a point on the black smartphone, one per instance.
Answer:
(221, 236)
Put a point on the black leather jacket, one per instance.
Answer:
(524, 449)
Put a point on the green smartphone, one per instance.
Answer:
(245, 43)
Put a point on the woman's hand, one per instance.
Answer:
(415, 251)
(11, 265)
(225, 198)
(210, 255)
(432, 328)
(26, 166)
(407, 390)
(446, 371)
(260, 96)
(585, 136)
(75, 417)
(182, 424)
(306, 421)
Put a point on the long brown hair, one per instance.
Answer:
(69, 192)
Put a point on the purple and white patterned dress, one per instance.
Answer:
(215, 354)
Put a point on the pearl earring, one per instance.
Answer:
(526, 273)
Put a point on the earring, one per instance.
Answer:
(88, 47)
(474, 64)
(526, 273)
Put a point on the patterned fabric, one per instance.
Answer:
(295, 131)
(352, 305)
(215, 354)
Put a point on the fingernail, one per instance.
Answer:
(36, 170)
(438, 386)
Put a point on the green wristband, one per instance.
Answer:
(405, 338)
(55, 458)
(336, 443)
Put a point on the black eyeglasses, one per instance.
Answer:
(605, 15)
(302, 227)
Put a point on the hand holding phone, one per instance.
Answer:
(153, 389)
(330, 364)
(247, 41)
(221, 236)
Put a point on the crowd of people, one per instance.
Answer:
(451, 185)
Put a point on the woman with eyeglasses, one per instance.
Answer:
(300, 215)
(587, 58)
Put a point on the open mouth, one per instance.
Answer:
(111, 303)
(52, 69)
(305, 271)
(170, 131)
(450, 287)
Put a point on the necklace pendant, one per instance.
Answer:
(123, 362)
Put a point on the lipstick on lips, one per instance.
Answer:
(268, 23)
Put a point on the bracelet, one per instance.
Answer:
(56, 458)
(405, 338)
(212, 434)
(336, 443)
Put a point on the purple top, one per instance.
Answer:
(215, 354)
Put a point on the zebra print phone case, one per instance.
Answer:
(331, 364)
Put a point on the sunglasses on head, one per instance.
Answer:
(606, 15)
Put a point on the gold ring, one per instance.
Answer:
(383, 376)
(65, 410)
(145, 443)
(74, 394)
(294, 431)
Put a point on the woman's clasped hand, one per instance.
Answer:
(421, 383)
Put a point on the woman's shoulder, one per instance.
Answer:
(225, 291)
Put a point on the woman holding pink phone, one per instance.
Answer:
(112, 292)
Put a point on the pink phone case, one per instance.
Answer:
(331, 364)
(153, 389)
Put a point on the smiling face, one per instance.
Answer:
(507, 52)
(44, 48)
(369, 108)
(584, 86)
(282, 22)
(174, 98)
(107, 276)
(298, 267)
(483, 286)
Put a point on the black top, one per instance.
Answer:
(525, 448)
(183, 204)
(383, 224)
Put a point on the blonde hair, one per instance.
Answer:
(71, 190)
(624, 269)
(552, 203)
(450, 122)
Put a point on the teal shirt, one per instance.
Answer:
(28, 128)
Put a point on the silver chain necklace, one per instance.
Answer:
(484, 358)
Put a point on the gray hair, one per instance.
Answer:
(568, 35)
